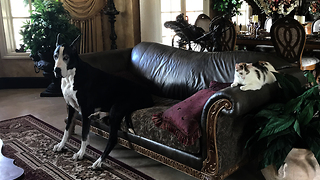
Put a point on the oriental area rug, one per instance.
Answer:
(29, 141)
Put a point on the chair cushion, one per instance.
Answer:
(308, 61)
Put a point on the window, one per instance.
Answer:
(243, 19)
(14, 13)
(170, 9)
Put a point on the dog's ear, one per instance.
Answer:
(75, 41)
(57, 43)
(72, 45)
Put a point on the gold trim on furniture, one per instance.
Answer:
(146, 152)
(210, 164)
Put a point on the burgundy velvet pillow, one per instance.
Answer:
(183, 118)
(216, 86)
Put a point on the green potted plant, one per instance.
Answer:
(228, 8)
(39, 35)
(292, 123)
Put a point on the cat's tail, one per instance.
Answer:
(268, 66)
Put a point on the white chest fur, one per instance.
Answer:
(67, 89)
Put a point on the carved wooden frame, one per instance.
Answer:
(210, 164)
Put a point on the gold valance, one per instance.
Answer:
(83, 9)
(87, 15)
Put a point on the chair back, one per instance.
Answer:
(288, 37)
(315, 27)
(203, 21)
(228, 36)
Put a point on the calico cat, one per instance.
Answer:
(253, 76)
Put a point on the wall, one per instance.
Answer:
(127, 28)
(22, 67)
(150, 20)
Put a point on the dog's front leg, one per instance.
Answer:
(85, 135)
(67, 133)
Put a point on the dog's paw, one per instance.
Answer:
(97, 164)
(79, 155)
(58, 147)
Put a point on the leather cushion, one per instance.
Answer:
(178, 74)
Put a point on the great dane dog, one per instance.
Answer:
(86, 88)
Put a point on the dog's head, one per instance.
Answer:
(65, 57)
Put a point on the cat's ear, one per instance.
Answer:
(237, 65)
(249, 65)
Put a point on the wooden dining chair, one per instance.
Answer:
(289, 37)
(203, 21)
(227, 38)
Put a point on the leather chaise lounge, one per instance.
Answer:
(173, 75)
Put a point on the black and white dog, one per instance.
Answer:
(86, 88)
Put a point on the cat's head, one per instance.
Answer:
(243, 69)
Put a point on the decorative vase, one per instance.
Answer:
(45, 62)
(299, 164)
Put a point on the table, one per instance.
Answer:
(311, 42)
(7, 168)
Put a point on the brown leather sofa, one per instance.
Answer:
(173, 75)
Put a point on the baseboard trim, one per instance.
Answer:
(24, 82)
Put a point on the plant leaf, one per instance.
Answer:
(310, 77)
(289, 84)
(277, 151)
(276, 124)
(293, 105)
(296, 127)
(306, 113)
(314, 146)
(281, 133)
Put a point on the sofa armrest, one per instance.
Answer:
(223, 124)
(243, 101)
(109, 61)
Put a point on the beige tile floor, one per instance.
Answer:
(19, 102)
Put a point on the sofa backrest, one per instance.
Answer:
(111, 61)
(177, 73)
